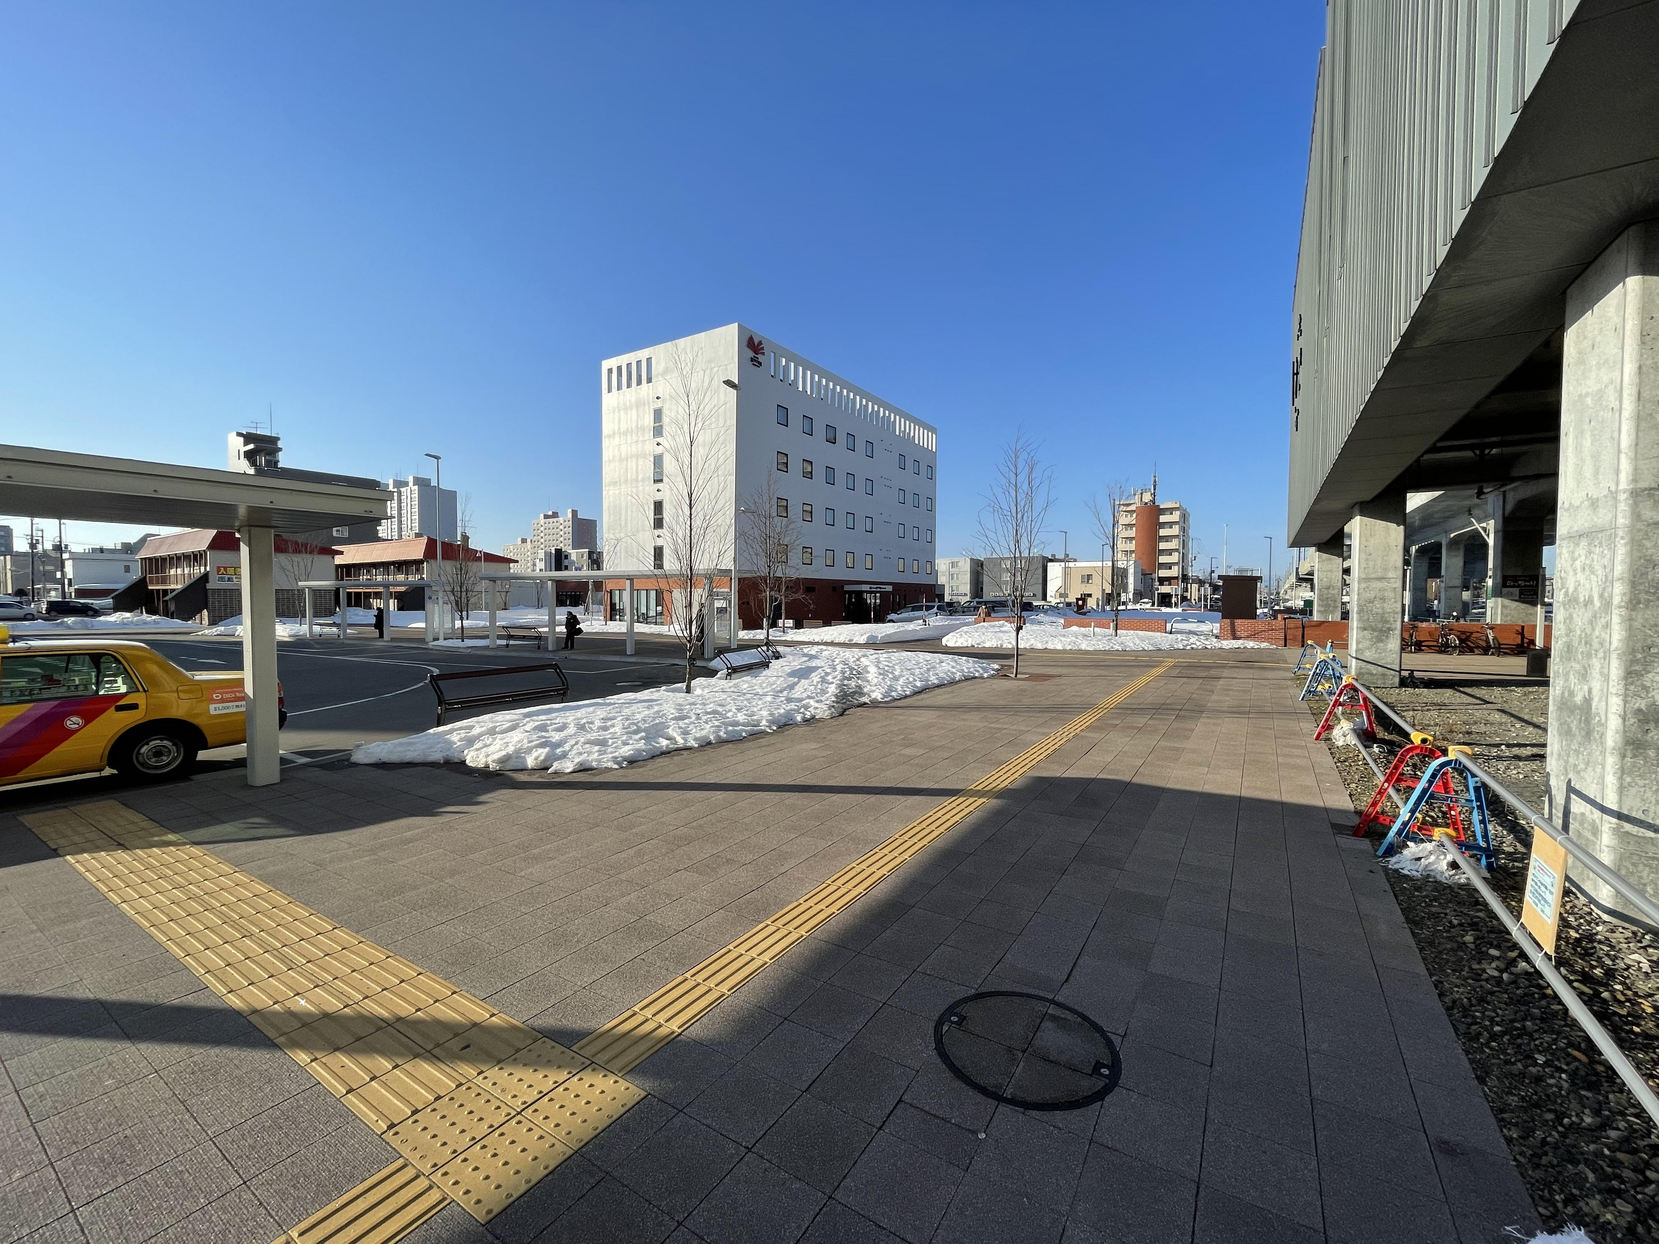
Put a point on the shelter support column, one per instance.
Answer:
(627, 612)
(1377, 533)
(1451, 577)
(259, 660)
(1327, 579)
(1417, 603)
(1604, 687)
(1515, 567)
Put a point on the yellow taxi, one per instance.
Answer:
(72, 706)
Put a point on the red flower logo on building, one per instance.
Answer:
(757, 350)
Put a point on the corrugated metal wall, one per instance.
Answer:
(1414, 99)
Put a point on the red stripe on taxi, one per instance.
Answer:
(42, 728)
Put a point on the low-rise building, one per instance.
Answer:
(1000, 576)
(961, 579)
(417, 559)
(196, 576)
(1080, 582)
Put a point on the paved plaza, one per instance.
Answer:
(1173, 865)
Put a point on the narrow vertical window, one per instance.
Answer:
(783, 507)
(783, 461)
(608, 377)
(806, 468)
(628, 369)
(656, 423)
(647, 369)
(656, 468)
(901, 462)
(829, 476)
(849, 560)
(783, 416)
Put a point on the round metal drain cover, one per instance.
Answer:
(1026, 1050)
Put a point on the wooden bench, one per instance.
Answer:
(448, 699)
(738, 659)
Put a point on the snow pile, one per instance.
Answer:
(804, 685)
(1572, 1235)
(104, 622)
(286, 628)
(1051, 637)
(866, 633)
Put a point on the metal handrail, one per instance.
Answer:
(1535, 953)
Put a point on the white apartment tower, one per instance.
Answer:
(856, 473)
(419, 508)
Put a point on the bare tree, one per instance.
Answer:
(461, 580)
(767, 543)
(1012, 521)
(697, 523)
(1107, 521)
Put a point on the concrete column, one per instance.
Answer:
(1417, 600)
(1604, 687)
(1377, 535)
(1517, 556)
(259, 660)
(1451, 577)
(1327, 579)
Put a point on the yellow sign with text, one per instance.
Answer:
(1546, 880)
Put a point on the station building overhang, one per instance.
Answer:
(1469, 395)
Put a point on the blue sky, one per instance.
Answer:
(409, 227)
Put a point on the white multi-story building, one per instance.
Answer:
(856, 474)
(418, 507)
(1158, 535)
(961, 579)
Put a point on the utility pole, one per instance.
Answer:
(1223, 548)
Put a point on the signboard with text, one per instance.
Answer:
(1546, 879)
(227, 576)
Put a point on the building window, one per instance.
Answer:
(915, 466)
(869, 486)
(869, 522)
(901, 462)
(783, 416)
(806, 424)
(1088, 578)
(656, 515)
(901, 565)
(829, 475)
(915, 566)
(806, 555)
(829, 516)
(869, 561)
(930, 505)
(806, 511)
(628, 368)
(608, 372)
(852, 443)
(829, 557)
(869, 449)
(647, 369)
(783, 507)
(852, 520)
(901, 531)
(849, 561)
(783, 461)
(829, 433)
(656, 468)
(930, 470)
(656, 558)
(930, 535)
(656, 423)
(901, 496)
(806, 468)
(930, 567)
(852, 481)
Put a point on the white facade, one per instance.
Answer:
(97, 572)
(832, 450)
(418, 507)
(961, 578)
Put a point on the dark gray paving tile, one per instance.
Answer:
(1164, 1133)
(31, 1202)
(792, 1053)
(1362, 1210)
(65, 1230)
(836, 1224)
(159, 1198)
(679, 1071)
(610, 1213)
(234, 1214)
(1224, 1219)
(956, 1145)
(734, 1028)
(1133, 1201)
(678, 1166)
(1030, 1153)
(862, 1083)
(834, 1011)
(986, 1211)
(554, 1194)
(872, 977)
(743, 1103)
(900, 1187)
(1268, 1176)
(756, 1204)
(815, 1142)
(937, 1091)
(612, 1147)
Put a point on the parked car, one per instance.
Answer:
(69, 609)
(12, 610)
(79, 706)
(915, 613)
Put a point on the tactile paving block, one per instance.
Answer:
(584, 1105)
(436, 1133)
(493, 1173)
(531, 1073)
(680, 1003)
(383, 1208)
(626, 1041)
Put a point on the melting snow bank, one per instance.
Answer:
(104, 622)
(1052, 638)
(803, 685)
(863, 633)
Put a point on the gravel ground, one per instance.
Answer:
(1588, 1153)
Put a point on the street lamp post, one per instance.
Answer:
(438, 614)
(733, 625)
(1270, 592)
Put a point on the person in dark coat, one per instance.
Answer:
(572, 628)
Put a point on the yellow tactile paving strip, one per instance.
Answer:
(479, 1106)
(647, 1026)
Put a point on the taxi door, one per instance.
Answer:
(59, 711)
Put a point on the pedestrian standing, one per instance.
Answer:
(572, 628)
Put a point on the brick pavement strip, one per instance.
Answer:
(1189, 844)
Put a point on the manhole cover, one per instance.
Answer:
(1027, 1051)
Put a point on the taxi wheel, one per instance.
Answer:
(154, 753)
